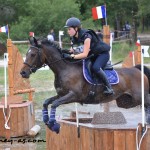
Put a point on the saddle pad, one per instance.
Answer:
(111, 75)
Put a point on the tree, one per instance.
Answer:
(44, 16)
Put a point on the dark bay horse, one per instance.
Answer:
(71, 86)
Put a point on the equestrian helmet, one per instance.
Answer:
(73, 22)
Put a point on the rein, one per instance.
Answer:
(69, 61)
(117, 63)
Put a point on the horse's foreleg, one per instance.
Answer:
(45, 108)
(68, 98)
(49, 101)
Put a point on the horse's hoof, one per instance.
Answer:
(54, 126)
(45, 116)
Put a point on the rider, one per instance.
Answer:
(91, 44)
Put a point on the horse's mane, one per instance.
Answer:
(56, 45)
(51, 43)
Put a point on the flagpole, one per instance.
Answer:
(8, 31)
(142, 89)
(105, 16)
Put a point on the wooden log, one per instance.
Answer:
(34, 131)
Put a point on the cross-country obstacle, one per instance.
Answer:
(96, 137)
(16, 113)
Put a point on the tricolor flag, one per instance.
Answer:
(99, 12)
(4, 29)
(138, 43)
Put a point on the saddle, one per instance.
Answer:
(111, 74)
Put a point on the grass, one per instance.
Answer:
(120, 51)
(23, 48)
(42, 81)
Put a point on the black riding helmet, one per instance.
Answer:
(73, 22)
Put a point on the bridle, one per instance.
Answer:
(34, 68)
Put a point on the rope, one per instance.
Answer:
(138, 143)
(6, 119)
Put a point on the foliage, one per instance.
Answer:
(43, 17)
(10, 10)
(39, 17)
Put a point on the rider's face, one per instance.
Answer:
(71, 31)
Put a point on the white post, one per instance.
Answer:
(133, 58)
(77, 119)
(5, 76)
(142, 85)
(60, 34)
(111, 39)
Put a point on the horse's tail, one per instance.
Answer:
(146, 72)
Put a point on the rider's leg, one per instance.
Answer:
(108, 90)
(100, 62)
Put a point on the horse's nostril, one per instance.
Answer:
(22, 72)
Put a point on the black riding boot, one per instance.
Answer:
(108, 90)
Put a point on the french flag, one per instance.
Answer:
(138, 43)
(99, 12)
(4, 29)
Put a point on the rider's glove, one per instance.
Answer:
(67, 56)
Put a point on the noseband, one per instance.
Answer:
(33, 68)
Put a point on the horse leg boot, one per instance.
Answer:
(108, 90)
(45, 108)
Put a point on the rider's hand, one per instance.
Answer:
(66, 51)
(67, 56)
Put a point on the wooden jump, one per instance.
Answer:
(95, 137)
(19, 112)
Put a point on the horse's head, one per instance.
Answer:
(34, 59)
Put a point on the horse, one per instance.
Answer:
(3, 49)
(71, 86)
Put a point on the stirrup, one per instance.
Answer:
(108, 91)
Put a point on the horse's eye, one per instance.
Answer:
(32, 55)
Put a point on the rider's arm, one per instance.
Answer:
(86, 50)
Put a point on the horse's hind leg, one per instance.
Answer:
(45, 108)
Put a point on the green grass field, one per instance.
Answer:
(42, 81)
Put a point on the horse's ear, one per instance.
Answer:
(33, 41)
